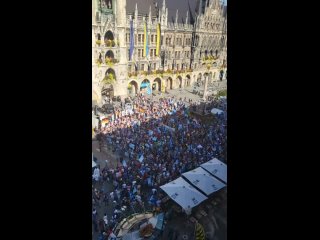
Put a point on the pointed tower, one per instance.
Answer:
(166, 17)
(200, 7)
(187, 18)
(121, 69)
(176, 20)
(150, 17)
(163, 13)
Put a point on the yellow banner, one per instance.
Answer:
(158, 40)
(145, 40)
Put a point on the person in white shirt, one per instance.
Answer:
(105, 219)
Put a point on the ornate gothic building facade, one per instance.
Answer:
(156, 44)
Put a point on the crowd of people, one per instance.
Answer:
(156, 142)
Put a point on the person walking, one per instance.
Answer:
(106, 199)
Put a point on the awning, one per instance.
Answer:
(204, 180)
(144, 84)
(93, 164)
(216, 168)
(216, 111)
(183, 193)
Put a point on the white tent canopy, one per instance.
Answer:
(216, 168)
(183, 193)
(93, 164)
(204, 180)
(216, 111)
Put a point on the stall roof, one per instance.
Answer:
(204, 180)
(216, 168)
(183, 193)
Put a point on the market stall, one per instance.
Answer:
(183, 193)
(216, 168)
(203, 180)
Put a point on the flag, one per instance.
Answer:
(145, 47)
(158, 40)
(131, 40)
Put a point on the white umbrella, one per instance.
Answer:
(216, 111)
(203, 180)
(216, 168)
(183, 193)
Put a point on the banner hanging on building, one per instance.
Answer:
(158, 40)
(145, 40)
(131, 40)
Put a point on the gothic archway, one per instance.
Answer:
(169, 83)
(156, 86)
(144, 86)
(110, 74)
(108, 36)
(109, 54)
(133, 87)
(109, 39)
(188, 80)
(221, 75)
(179, 81)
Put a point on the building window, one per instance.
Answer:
(154, 66)
(142, 67)
(151, 38)
(140, 38)
(177, 66)
(155, 38)
(139, 52)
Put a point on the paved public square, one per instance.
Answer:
(177, 225)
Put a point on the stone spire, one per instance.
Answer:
(163, 5)
(187, 18)
(200, 7)
(150, 16)
(176, 21)
(166, 18)
(136, 12)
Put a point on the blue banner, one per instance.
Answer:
(131, 40)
